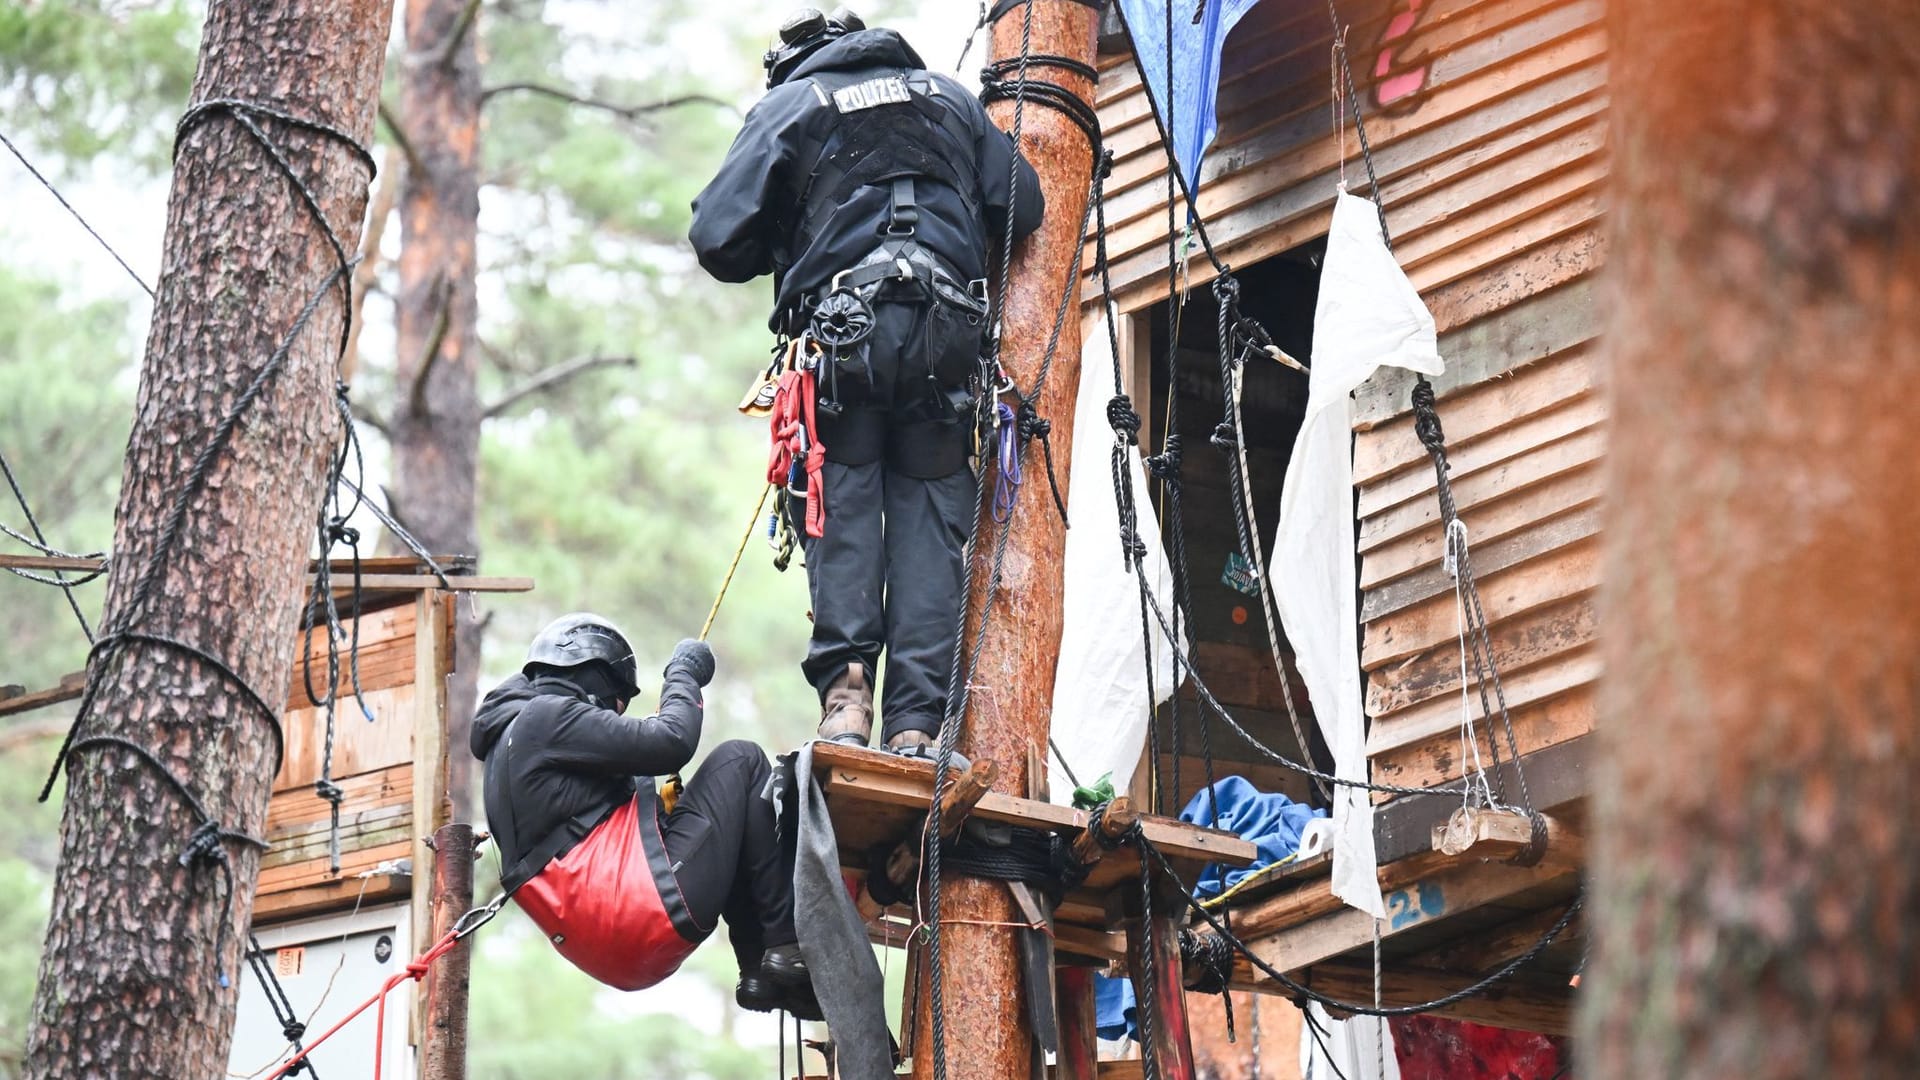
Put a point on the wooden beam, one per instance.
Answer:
(1489, 950)
(406, 565)
(71, 686)
(430, 809)
(1555, 777)
(1506, 835)
(1519, 1003)
(1418, 903)
(274, 907)
(1169, 1041)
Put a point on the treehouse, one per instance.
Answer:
(1485, 122)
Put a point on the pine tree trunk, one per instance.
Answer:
(1757, 869)
(139, 945)
(436, 421)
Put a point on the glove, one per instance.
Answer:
(694, 658)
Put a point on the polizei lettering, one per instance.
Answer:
(886, 90)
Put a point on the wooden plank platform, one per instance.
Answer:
(879, 798)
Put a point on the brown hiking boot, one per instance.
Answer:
(846, 713)
(910, 743)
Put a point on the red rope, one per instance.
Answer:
(415, 971)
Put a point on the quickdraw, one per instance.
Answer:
(798, 457)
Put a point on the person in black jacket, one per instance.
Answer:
(872, 190)
(623, 886)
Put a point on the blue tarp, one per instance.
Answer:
(1271, 820)
(1196, 68)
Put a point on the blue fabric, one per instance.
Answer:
(1196, 68)
(1113, 1011)
(1271, 820)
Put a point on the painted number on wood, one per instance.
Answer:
(290, 962)
(1406, 907)
(1400, 71)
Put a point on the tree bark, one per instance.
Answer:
(1756, 869)
(988, 1035)
(435, 426)
(139, 946)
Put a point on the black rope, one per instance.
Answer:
(91, 231)
(39, 541)
(1034, 426)
(996, 86)
(291, 1029)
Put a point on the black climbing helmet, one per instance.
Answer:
(805, 31)
(585, 638)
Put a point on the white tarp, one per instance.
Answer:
(1100, 707)
(1360, 1048)
(1369, 315)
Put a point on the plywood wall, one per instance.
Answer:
(1491, 154)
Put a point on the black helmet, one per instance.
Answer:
(804, 31)
(583, 638)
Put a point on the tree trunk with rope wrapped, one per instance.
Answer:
(1757, 870)
(1008, 719)
(141, 969)
(435, 424)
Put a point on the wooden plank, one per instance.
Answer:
(1556, 776)
(1441, 715)
(1492, 403)
(392, 786)
(453, 583)
(1538, 539)
(429, 756)
(1518, 644)
(1537, 727)
(289, 904)
(70, 687)
(359, 745)
(1424, 552)
(865, 775)
(1489, 950)
(1471, 455)
(1508, 281)
(1509, 238)
(1519, 1003)
(1532, 329)
(1536, 466)
(1421, 903)
(352, 838)
(315, 871)
(1506, 594)
(1250, 230)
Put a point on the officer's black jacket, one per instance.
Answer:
(738, 219)
(551, 757)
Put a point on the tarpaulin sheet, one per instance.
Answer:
(1100, 706)
(1368, 316)
(1189, 118)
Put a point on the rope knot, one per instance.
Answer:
(1166, 464)
(1124, 421)
(1225, 438)
(329, 791)
(1226, 289)
(1213, 954)
(203, 845)
(1032, 424)
(1426, 421)
(1105, 168)
(339, 532)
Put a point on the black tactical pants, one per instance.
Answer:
(727, 859)
(899, 509)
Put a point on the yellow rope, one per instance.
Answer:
(753, 525)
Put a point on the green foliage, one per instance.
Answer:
(94, 77)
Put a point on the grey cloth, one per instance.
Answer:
(846, 977)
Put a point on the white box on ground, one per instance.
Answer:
(328, 965)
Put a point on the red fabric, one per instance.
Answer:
(1432, 1048)
(796, 437)
(599, 906)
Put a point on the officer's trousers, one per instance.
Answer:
(887, 572)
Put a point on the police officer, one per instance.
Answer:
(623, 886)
(871, 189)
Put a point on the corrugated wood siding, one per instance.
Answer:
(1503, 153)
(1492, 183)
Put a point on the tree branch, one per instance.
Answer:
(399, 136)
(460, 31)
(625, 112)
(550, 378)
(417, 395)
